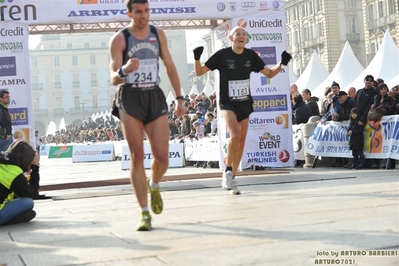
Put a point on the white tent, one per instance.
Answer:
(208, 89)
(170, 97)
(314, 74)
(291, 75)
(194, 90)
(385, 63)
(392, 82)
(182, 92)
(344, 72)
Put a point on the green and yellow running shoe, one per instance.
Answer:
(145, 221)
(156, 199)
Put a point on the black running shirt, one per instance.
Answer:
(234, 70)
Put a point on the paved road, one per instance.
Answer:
(295, 217)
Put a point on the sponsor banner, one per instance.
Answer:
(22, 133)
(205, 149)
(271, 103)
(93, 153)
(45, 148)
(94, 11)
(381, 139)
(15, 75)
(175, 156)
(8, 67)
(60, 152)
(298, 141)
(19, 116)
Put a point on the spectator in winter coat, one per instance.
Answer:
(326, 102)
(301, 111)
(383, 100)
(365, 98)
(345, 106)
(311, 101)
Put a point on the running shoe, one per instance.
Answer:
(145, 221)
(156, 199)
(226, 180)
(234, 188)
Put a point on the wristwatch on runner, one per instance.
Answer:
(122, 73)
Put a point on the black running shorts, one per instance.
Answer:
(145, 104)
(242, 110)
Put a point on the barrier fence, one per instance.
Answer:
(330, 139)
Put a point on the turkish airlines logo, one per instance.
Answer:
(284, 156)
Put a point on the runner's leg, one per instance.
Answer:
(133, 133)
(159, 140)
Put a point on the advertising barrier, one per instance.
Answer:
(93, 153)
(205, 149)
(298, 141)
(175, 156)
(45, 148)
(60, 152)
(381, 139)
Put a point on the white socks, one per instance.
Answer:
(153, 184)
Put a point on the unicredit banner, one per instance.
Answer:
(269, 138)
(93, 11)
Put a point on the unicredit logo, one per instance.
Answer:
(263, 23)
(18, 31)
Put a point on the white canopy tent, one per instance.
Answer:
(291, 75)
(345, 71)
(170, 97)
(385, 63)
(392, 82)
(208, 89)
(194, 90)
(314, 74)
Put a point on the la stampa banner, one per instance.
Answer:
(381, 139)
(15, 78)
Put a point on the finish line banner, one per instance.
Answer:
(381, 139)
(97, 11)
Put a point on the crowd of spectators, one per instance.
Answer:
(199, 121)
(89, 131)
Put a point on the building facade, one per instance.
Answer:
(70, 75)
(379, 15)
(324, 26)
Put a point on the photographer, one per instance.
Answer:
(16, 193)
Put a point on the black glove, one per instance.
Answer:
(285, 58)
(198, 52)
